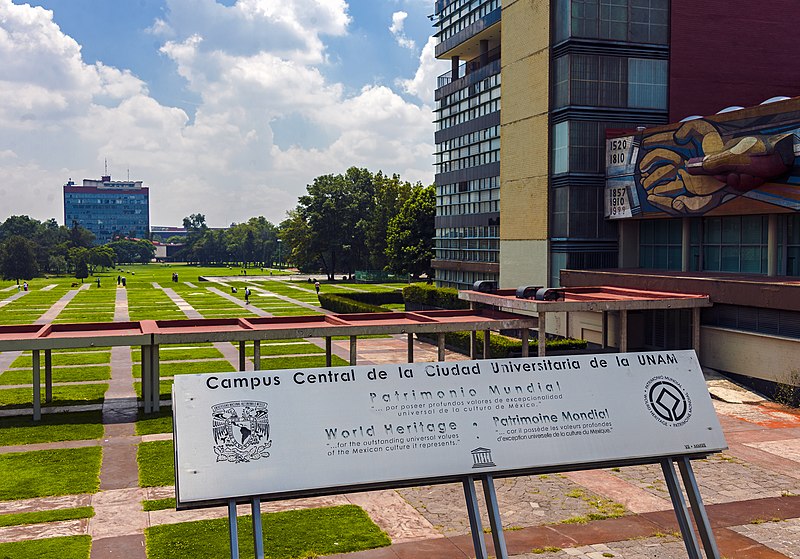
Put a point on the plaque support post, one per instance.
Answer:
(493, 510)
(233, 529)
(410, 348)
(474, 514)
(698, 509)
(242, 358)
(681, 512)
(258, 535)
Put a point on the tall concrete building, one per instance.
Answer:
(108, 208)
(520, 190)
(578, 180)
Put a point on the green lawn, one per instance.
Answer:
(165, 388)
(52, 427)
(71, 547)
(286, 348)
(62, 396)
(188, 368)
(159, 504)
(156, 464)
(44, 473)
(167, 353)
(295, 363)
(74, 358)
(154, 423)
(40, 517)
(71, 374)
(300, 533)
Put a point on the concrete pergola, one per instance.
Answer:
(151, 334)
(602, 299)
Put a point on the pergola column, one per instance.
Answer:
(37, 385)
(440, 346)
(328, 351)
(48, 375)
(257, 355)
(623, 331)
(525, 343)
(542, 333)
(353, 350)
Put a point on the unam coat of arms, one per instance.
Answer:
(241, 431)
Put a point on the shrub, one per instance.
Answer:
(344, 305)
(501, 346)
(389, 297)
(421, 296)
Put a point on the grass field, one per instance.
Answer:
(43, 473)
(301, 533)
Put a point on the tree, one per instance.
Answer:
(410, 233)
(103, 256)
(81, 269)
(332, 210)
(19, 259)
(57, 264)
(295, 237)
(129, 251)
(79, 236)
(390, 193)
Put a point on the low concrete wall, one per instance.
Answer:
(770, 358)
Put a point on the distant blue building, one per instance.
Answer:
(108, 208)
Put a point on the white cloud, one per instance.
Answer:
(251, 65)
(423, 84)
(397, 29)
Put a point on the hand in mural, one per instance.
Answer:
(694, 170)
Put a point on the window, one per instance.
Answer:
(660, 244)
(647, 83)
(610, 81)
(561, 148)
(793, 245)
(735, 244)
(637, 21)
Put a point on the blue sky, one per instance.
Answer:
(227, 108)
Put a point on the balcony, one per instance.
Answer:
(470, 67)
(468, 32)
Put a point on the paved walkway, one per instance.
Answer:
(752, 490)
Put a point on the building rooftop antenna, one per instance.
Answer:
(105, 165)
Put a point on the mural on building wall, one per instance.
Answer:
(741, 162)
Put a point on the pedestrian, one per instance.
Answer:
(98, 282)
(123, 281)
(119, 280)
(246, 295)
(316, 286)
(25, 286)
(234, 290)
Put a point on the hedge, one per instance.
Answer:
(389, 297)
(501, 346)
(344, 305)
(425, 296)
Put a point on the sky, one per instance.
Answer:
(228, 108)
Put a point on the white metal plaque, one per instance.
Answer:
(267, 433)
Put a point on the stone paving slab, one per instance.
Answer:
(42, 531)
(45, 503)
(782, 536)
(122, 513)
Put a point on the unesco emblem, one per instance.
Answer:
(667, 401)
(241, 431)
